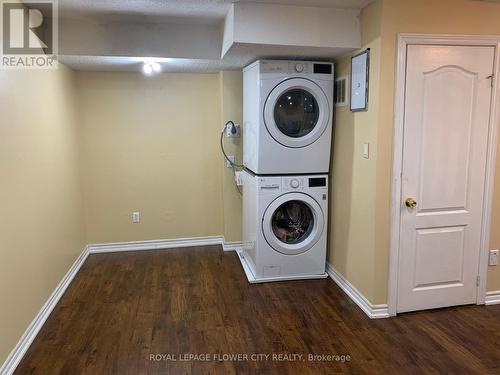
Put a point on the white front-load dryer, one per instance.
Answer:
(287, 116)
(284, 227)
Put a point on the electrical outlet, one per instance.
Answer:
(233, 160)
(238, 178)
(494, 254)
(236, 129)
(136, 217)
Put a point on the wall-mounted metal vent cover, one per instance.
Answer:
(341, 91)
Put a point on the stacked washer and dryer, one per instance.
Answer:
(287, 131)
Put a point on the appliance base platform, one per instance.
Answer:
(254, 280)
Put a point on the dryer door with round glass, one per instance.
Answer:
(293, 223)
(296, 112)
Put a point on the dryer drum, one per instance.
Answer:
(293, 222)
(296, 113)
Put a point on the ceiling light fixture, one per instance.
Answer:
(156, 67)
(151, 66)
(147, 69)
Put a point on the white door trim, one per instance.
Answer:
(397, 163)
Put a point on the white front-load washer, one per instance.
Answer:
(284, 227)
(287, 116)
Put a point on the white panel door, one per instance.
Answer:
(447, 106)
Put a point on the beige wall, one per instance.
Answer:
(41, 225)
(151, 145)
(353, 205)
(231, 83)
(147, 144)
(383, 20)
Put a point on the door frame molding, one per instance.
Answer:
(403, 41)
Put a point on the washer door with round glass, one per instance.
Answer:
(293, 223)
(296, 112)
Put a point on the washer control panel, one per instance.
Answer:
(273, 184)
(294, 183)
(269, 184)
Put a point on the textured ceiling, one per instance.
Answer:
(349, 4)
(188, 12)
(134, 64)
(203, 10)
(245, 56)
(208, 9)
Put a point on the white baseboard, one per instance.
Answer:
(156, 244)
(29, 335)
(373, 311)
(232, 246)
(492, 298)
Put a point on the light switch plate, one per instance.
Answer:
(366, 150)
(494, 254)
(136, 217)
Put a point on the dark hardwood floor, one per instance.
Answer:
(124, 308)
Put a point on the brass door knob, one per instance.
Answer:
(410, 202)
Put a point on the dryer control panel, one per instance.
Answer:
(296, 67)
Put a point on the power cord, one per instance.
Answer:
(233, 130)
(233, 164)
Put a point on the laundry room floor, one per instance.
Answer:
(147, 312)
